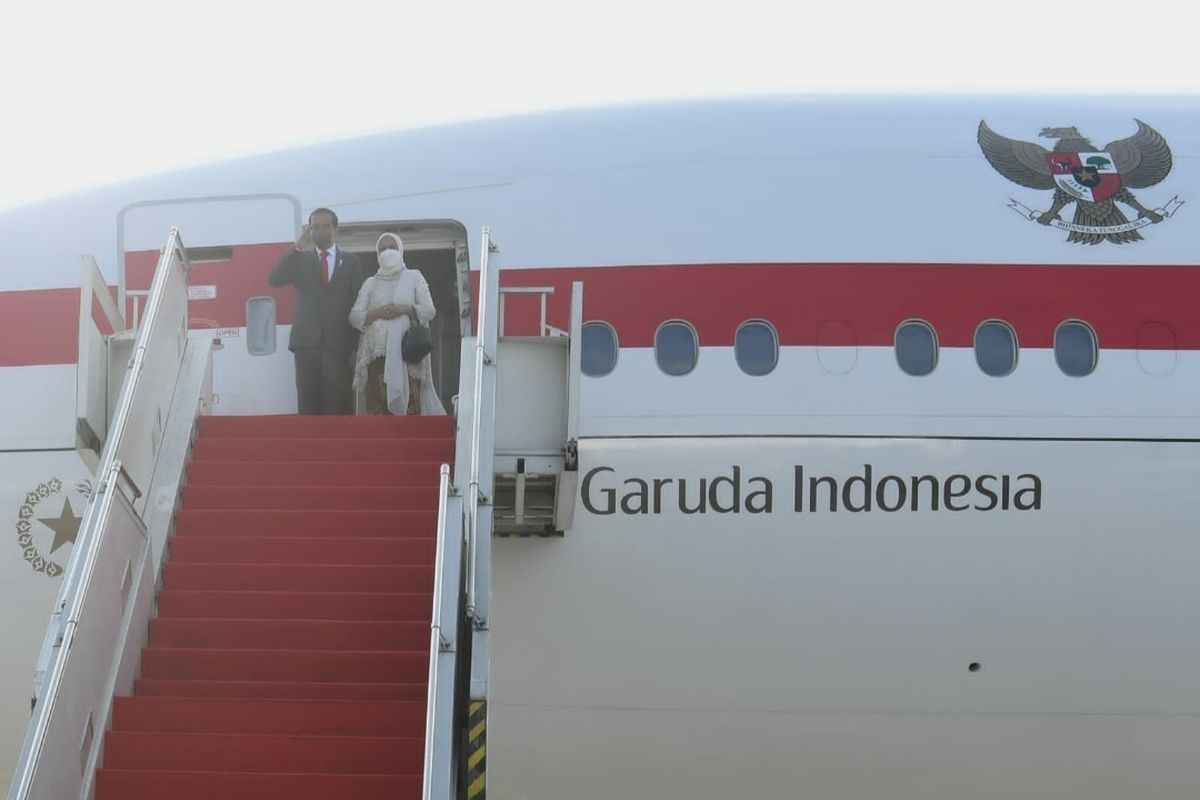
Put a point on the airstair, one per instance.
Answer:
(290, 652)
(296, 606)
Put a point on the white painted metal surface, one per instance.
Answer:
(479, 493)
(91, 400)
(247, 384)
(39, 407)
(531, 396)
(192, 396)
(63, 743)
(702, 182)
(1119, 399)
(250, 384)
(802, 654)
(157, 355)
(38, 490)
(614, 637)
(90, 649)
(441, 738)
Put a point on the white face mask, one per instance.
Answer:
(391, 259)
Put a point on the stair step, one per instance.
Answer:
(299, 577)
(290, 653)
(253, 634)
(207, 752)
(396, 498)
(310, 450)
(181, 603)
(309, 427)
(279, 690)
(312, 522)
(183, 663)
(137, 784)
(268, 717)
(303, 550)
(310, 473)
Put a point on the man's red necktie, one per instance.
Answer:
(325, 267)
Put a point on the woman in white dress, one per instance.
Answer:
(387, 306)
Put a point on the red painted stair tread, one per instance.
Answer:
(143, 784)
(254, 634)
(276, 690)
(307, 522)
(356, 755)
(302, 550)
(356, 605)
(216, 472)
(355, 450)
(299, 577)
(289, 656)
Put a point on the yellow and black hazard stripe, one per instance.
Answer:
(477, 750)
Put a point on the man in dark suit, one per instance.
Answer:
(327, 281)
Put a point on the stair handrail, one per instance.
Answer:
(485, 347)
(80, 569)
(438, 641)
(69, 595)
(542, 293)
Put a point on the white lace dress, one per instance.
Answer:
(408, 288)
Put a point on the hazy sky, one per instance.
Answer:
(102, 91)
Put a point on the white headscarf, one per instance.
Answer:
(391, 262)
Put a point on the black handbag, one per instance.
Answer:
(417, 343)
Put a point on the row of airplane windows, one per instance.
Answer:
(756, 348)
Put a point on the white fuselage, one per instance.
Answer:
(1014, 614)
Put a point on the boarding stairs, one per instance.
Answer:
(290, 652)
(288, 606)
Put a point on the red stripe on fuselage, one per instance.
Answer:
(41, 326)
(237, 280)
(830, 304)
(865, 302)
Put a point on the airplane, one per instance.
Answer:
(879, 479)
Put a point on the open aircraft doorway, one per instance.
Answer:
(438, 249)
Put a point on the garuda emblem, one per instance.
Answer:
(1094, 179)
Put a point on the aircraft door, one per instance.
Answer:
(233, 243)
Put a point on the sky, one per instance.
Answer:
(99, 92)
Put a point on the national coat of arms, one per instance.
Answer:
(1094, 179)
(48, 509)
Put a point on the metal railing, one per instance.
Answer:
(462, 561)
(65, 622)
(438, 642)
(92, 370)
(136, 297)
(482, 415)
(542, 292)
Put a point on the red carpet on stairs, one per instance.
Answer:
(290, 653)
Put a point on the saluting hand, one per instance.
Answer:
(306, 240)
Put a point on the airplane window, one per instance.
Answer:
(996, 348)
(260, 326)
(916, 347)
(756, 347)
(598, 351)
(1075, 348)
(676, 348)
